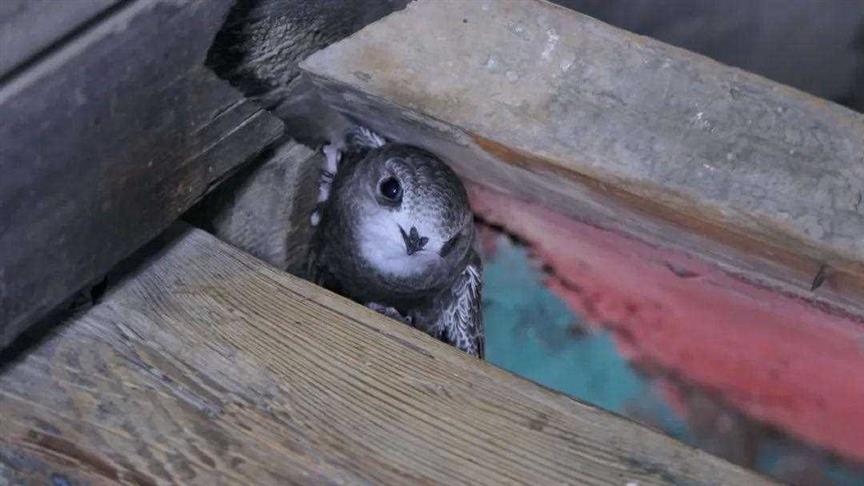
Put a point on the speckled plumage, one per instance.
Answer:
(413, 259)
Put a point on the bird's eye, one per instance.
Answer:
(391, 189)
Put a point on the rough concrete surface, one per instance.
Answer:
(559, 108)
(817, 47)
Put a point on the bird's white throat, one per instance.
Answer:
(383, 247)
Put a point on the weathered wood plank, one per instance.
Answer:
(105, 142)
(621, 131)
(30, 26)
(812, 46)
(205, 365)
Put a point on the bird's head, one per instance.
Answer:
(412, 223)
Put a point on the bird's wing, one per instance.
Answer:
(461, 319)
(313, 270)
(318, 273)
(360, 136)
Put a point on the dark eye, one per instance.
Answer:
(391, 189)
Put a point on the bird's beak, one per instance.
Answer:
(413, 241)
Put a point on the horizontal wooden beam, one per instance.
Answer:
(620, 131)
(205, 365)
(105, 141)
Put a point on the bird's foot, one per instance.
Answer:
(389, 312)
(332, 156)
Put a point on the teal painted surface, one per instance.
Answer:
(533, 336)
(532, 333)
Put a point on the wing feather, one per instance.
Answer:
(461, 318)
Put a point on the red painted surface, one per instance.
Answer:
(775, 358)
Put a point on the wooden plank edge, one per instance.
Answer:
(80, 408)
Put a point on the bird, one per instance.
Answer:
(394, 232)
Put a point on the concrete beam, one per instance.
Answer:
(620, 131)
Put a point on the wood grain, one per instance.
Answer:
(105, 141)
(31, 27)
(203, 365)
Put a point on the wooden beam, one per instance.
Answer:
(29, 27)
(205, 365)
(107, 140)
(620, 131)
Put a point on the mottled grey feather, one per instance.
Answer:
(460, 318)
(440, 294)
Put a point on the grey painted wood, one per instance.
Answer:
(620, 130)
(106, 141)
(207, 366)
(28, 27)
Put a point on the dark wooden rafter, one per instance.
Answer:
(109, 133)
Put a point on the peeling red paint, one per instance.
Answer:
(776, 358)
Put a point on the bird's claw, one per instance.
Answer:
(332, 156)
(389, 312)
